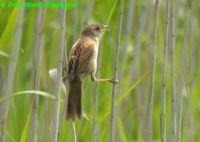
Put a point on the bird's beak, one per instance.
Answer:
(105, 28)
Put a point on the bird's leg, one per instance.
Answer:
(93, 78)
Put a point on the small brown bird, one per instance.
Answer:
(83, 61)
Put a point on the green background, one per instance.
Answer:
(131, 109)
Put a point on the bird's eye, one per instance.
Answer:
(97, 28)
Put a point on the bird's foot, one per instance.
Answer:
(114, 81)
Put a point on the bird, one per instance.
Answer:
(82, 61)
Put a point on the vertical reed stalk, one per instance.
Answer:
(129, 19)
(95, 135)
(39, 28)
(88, 10)
(136, 57)
(12, 66)
(193, 63)
(164, 75)
(116, 61)
(2, 105)
(182, 78)
(135, 69)
(190, 84)
(128, 29)
(150, 103)
(75, 23)
(62, 13)
(65, 68)
(74, 132)
(190, 130)
(172, 72)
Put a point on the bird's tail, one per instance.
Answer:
(74, 107)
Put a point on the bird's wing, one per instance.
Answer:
(80, 56)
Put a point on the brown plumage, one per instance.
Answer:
(83, 61)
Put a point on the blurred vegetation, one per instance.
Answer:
(131, 112)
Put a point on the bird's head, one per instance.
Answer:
(95, 31)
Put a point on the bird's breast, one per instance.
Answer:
(93, 61)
